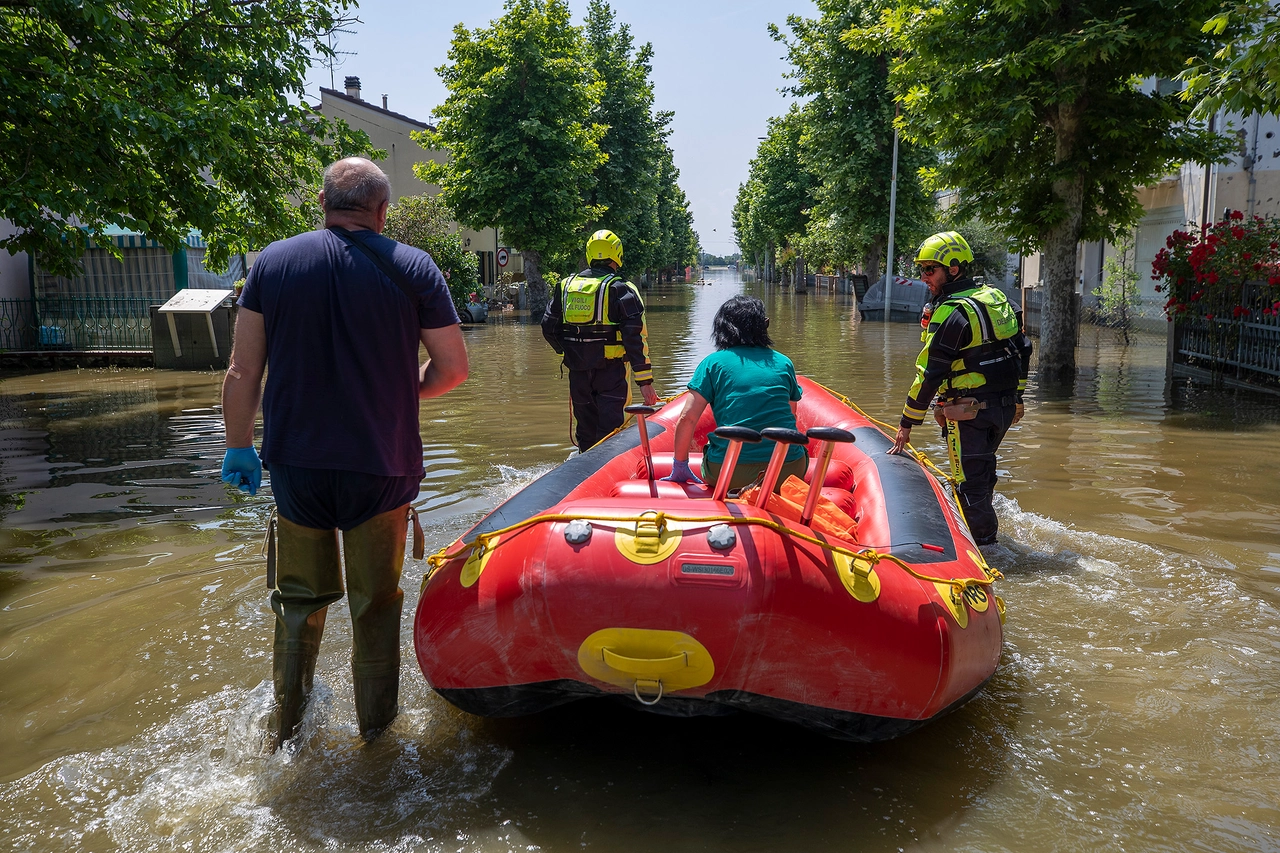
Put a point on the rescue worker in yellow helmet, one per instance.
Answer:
(975, 360)
(596, 321)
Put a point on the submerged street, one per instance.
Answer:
(1133, 709)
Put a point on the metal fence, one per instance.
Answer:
(1244, 351)
(76, 324)
(1033, 311)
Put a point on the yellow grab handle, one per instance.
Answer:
(645, 666)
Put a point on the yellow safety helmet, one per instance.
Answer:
(604, 246)
(945, 248)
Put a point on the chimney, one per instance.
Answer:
(353, 87)
(384, 100)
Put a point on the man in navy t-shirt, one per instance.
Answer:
(338, 314)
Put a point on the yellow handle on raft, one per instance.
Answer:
(645, 666)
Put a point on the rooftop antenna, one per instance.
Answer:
(331, 59)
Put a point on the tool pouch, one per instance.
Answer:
(962, 409)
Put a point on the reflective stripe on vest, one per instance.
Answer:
(992, 324)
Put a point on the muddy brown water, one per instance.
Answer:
(1134, 709)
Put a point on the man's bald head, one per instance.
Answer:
(355, 184)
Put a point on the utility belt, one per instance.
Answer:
(591, 334)
(967, 408)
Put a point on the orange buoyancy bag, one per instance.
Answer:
(827, 517)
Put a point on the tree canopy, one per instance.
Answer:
(159, 117)
(552, 134)
(1040, 120)
(1244, 74)
(425, 222)
(520, 127)
(626, 187)
(772, 208)
(847, 141)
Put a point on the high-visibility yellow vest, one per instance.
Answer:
(992, 322)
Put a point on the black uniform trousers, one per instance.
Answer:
(979, 439)
(599, 397)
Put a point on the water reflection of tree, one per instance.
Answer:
(1114, 384)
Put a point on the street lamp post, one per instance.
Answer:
(893, 209)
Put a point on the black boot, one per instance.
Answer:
(308, 580)
(374, 554)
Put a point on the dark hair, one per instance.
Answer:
(741, 322)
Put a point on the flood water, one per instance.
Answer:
(1134, 709)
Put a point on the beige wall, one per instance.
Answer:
(391, 132)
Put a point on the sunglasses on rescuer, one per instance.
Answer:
(928, 269)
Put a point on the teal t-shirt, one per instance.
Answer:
(751, 387)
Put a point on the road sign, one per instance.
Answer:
(503, 257)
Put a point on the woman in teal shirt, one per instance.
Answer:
(746, 383)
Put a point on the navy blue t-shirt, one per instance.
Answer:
(342, 352)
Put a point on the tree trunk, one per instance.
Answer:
(872, 264)
(1057, 363)
(535, 286)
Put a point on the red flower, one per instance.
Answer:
(1237, 232)
(1237, 214)
(1208, 316)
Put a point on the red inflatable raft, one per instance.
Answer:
(599, 579)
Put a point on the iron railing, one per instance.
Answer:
(76, 323)
(1245, 349)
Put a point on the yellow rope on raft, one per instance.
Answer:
(660, 519)
(868, 555)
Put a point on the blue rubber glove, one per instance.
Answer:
(242, 468)
(680, 473)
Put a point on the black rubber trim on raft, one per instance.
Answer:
(914, 513)
(552, 487)
(524, 699)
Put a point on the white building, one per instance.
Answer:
(1186, 199)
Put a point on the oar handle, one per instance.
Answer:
(830, 436)
(641, 410)
(735, 435)
(784, 438)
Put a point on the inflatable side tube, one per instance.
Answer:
(910, 502)
(552, 487)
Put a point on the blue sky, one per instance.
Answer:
(714, 65)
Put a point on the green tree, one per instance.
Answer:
(518, 125)
(424, 221)
(678, 245)
(990, 245)
(160, 116)
(848, 138)
(626, 187)
(746, 229)
(1040, 122)
(778, 195)
(1118, 294)
(1244, 74)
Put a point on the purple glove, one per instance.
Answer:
(680, 473)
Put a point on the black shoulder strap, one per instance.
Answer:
(388, 269)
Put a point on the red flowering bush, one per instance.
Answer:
(1230, 272)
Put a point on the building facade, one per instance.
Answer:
(1193, 196)
(390, 131)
